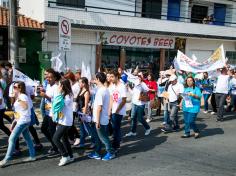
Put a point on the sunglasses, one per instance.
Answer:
(15, 87)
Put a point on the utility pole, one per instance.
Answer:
(13, 34)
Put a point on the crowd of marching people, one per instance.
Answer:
(74, 108)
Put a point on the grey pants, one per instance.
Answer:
(220, 102)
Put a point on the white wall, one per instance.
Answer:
(33, 9)
(203, 48)
(83, 48)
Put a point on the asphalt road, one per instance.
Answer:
(158, 154)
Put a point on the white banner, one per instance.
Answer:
(136, 40)
(217, 60)
(64, 26)
(19, 76)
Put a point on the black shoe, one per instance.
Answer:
(52, 153)
(219, 120)
(38, 147)
(185, 136)
(176, 128)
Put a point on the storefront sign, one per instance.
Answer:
(64, 34)
(136, 40)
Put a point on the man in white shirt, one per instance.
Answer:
(101, 119)
(48, 127)
(222, 90)
(174, 90)
(117, 107)
(138, 106)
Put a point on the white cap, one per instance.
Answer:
(172, 78)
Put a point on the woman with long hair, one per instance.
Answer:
(152, 85)
(84, 110)
(21, 123)
(73, 132)
(64, 119)
(191, 107)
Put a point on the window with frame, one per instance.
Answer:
(71, 3)
(152, 9)
(198, 13)
(231, 55)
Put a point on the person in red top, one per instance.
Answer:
(152, 85)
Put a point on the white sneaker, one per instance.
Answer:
(29, 159)
(77, 141)
(212, 113)
(71, 159)
(205, 112)
(64, 161)
(130, 134)
(3, 163)
(148, 120)
(148, 132)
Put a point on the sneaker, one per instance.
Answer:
(52, 153)
(148, 132)
(163, 123)
(64, 161)
(108, 157)
(185, 136)
(94, 155)
(3, 163)
(196, 135)
(205, 112)
(29, 159)
(38, 147)
(71, 159)
(148, 120)
(77, 141)
(212, 113)
(130, 134)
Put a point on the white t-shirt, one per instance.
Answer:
(102, 98)
(75, 89)
(23, 115)
(136, 93)
(233, 86)
(174, 91)
(222, 84)
(118, 92)
(51, 91)
(67, 112)
(2, 105)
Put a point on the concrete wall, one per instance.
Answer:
(202, 49)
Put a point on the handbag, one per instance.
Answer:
(144, 96)
(179, 98)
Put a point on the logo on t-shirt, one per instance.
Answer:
(116, 95)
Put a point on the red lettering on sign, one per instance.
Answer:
(139, 38)
(126, 38)
(120, 39)
(170, 43)
(111, 39)
(132, 40)
(144, 41)
(156, 40)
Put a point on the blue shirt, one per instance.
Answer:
(196, 102)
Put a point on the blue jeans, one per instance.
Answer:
(137, 114)
(206, 97)
(174, 120)
(101, 136)
(116, 125)
(85, 130)
(19, 128)
(190, 122)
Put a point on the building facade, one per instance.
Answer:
(146, 33)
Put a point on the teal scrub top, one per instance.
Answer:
(195, 102)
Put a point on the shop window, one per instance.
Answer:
(198, 13)
(173, 10)
(152, 9)
(231, 55)
(71, 3)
